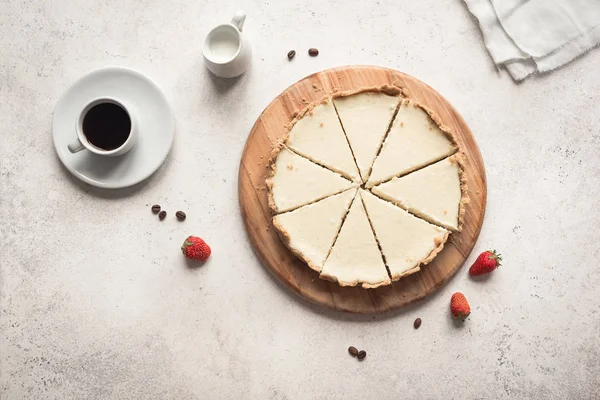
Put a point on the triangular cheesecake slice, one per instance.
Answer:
(355, 257)
(407, 242)
(318, 136)
(434, 193)
(296, 181)
(309, 231)
(414, 140)
(366, 118)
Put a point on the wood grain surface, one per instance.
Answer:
(292, 272)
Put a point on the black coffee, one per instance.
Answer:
(107, 126)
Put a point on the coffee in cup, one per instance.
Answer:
(104, 127)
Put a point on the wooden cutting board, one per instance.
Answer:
(293, 273)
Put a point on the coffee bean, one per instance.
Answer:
(291, 54)
(353, 351)
(417, 323)
(361, 355)
(313, 52)
(156, 209)
(180, 215)
(162, 215)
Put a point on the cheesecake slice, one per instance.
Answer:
(366, 118)
(355, 258)
(309, 231)
(317, 135)
(436, 193)
(406, 242)
(296, 181)
(414, 141)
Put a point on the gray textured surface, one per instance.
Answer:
(97, 302)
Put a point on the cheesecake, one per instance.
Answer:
(317, 134)
(295, 181)
(366, 118)
(406, 242)
(355, 258)
(434, 193)
(366, 187)
(415, 140)
(310, 231)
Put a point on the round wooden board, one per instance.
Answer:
(271, 127)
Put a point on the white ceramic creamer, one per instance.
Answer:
(227, 53)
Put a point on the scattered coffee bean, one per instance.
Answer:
(156, 209)
(353, 351)
(313, 52)
(291, 54)
(417, 323)
(162, 215)
(180, 215)
(361, 355)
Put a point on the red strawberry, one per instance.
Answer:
(195, 248)
(459, 306)
(486, 262)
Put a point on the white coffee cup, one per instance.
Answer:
(227, 53)
(82, 141)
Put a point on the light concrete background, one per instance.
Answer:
(98, 303)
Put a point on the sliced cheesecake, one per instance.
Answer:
(366, 118)
(414, 140)
(318, 136)
(434, 193)
(295, 181)
(355, 258)
(407, 242)
(309, 231)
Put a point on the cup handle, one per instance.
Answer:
(238, 20)
(75, 146)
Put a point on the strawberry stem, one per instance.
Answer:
(495, 256)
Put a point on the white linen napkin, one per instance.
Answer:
(530, 36)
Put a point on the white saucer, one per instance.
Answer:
(153, 114)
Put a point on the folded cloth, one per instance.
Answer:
(530, 36)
